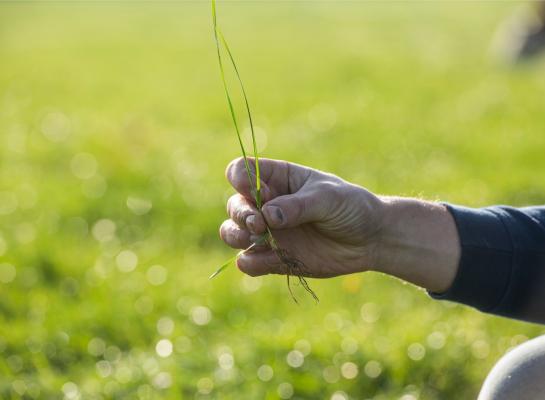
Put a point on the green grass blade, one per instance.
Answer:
(228, 96)
(224, 266)
(230, 262)
(250, 119)
(256, 188)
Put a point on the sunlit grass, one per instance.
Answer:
(115, 137)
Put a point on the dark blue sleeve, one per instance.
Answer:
(502, 265)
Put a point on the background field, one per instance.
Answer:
(114, 136)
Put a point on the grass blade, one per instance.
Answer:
(249, 113)
(294, 265)
(224, 266)
(217, 34)
(230, 262)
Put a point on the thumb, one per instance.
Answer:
(291, 210)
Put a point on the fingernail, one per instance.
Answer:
(254, 239)
(275, 215)
(258, 240)
(250, 223)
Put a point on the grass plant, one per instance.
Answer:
(412, 108)
(294, 267)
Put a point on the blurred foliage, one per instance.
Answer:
(114, 136)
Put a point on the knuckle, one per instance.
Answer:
(233, 236)
(231, 203)
(223, 230)
(238, 164)
(239, 235)
(241, 238)
(330, 187)
(332, 190)
(233, 167)
(237, 212)
(241, 214)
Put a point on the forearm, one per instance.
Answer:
(491, 258)
(418, 243)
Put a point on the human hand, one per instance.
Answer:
(329, 225)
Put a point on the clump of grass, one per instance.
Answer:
(294, 267)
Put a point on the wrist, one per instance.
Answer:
(418, 242)
(387, 241)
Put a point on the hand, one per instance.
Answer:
(328, 224)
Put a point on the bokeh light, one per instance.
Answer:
(295, 358)
(201, 315)
(163, 348)
(115, 137)
(265, 373)
(126, 261)
(349, 370)
(285, 390)
(416, 351)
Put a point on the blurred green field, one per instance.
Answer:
(114, 136)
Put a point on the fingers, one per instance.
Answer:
(237, 175)
(260, 263)
(277, 177)
(291, 210)
(234, 236)
(293, 194)
(245, 214)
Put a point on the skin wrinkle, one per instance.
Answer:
(335, 228)
(289, 177)
(283, 254)
(328, 188)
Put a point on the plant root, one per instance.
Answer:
(294, 267)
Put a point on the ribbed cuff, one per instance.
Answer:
(486, 259)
